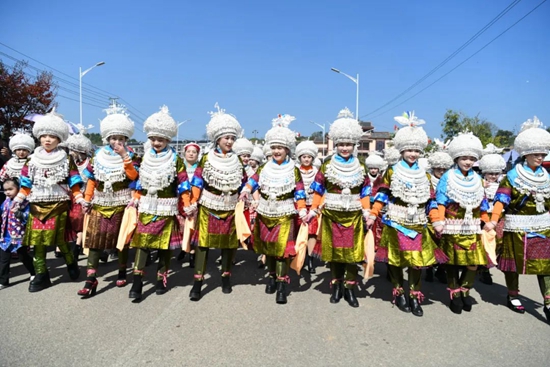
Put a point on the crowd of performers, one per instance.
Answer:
(453, 212)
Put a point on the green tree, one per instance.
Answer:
(456, 122)
(504, 138)
(95, 138)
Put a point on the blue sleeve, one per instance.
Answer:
(366, 191)
(299, 194)
(441, 191)
(184, 187)
(503, 198)
(484, 205)
(317, 187)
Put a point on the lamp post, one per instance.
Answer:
(322, 127)
(178, 136)
(356, 81)
(80, 75)
(255, 132)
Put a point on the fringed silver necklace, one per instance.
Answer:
(48, 169)
(411, 186)
(157, 170)
(467, 191)
(14, 167)
(345, 175)
(533, 183)
(224, 173)
(108, 168)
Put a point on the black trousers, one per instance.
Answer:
(5, 260)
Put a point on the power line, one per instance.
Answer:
(105, 93)
(457, 66)
(451, 56)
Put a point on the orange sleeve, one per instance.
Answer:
(90, 188)
(440, 213)
(136, 194)
(25, 191)
(485, 217)
(434, 215)
(301, 204)
(186, 198)
(76, 190)
(195, 194)
(130, 170)
(316, 200)
(365, 202)
(497, 211)
(376, 208)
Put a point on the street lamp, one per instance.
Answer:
(178, 136)
(80, 75)
(322, 127)
(356, 81)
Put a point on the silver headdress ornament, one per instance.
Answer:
(307, 147)
(161, 124)
(317, 163)
(51, 123)
(374, 160)
(411, 136)
(280, 134)
(465, 144)
(492, 149)
(117, 122)
(21, 139)
(392, 155)
(257, 154)
(267, 151)
(79, 142)
(440, 159)
(532, 139)
(440, 145)
(243, 146)
(492, 163)
(345, 129)
(221, 124)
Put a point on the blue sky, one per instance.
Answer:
(262, 58)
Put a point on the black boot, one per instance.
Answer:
(310, 265)
(430, 274)
(546, 313)
(181, 255)
(485, 277)
(456, 304)
(336, 292)
(195, 294)
(137, 287)
(160, 289)
(467, 301)
(114, 254)
(76, 252)
(271, 286)
(349, 295)
(280, 298)
(402, 302)
(226, 285)
(191, 260)
(40, 282)
(74, 271)
(519, 308)
(416, 309)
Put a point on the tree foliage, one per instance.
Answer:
(22, 95)
(455, 122)
(96, 139)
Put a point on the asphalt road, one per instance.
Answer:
(247, 328)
